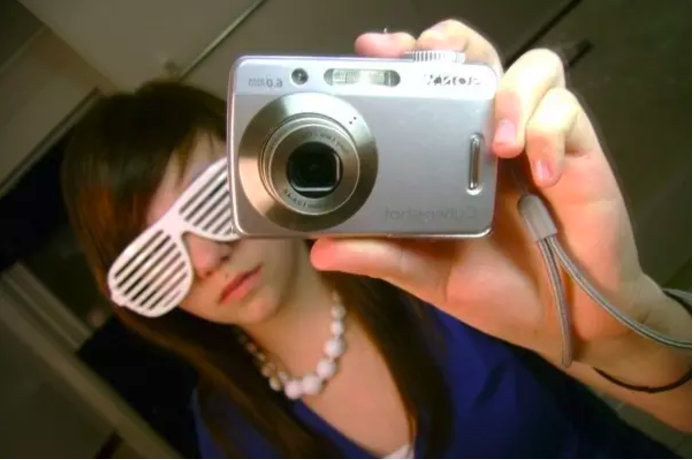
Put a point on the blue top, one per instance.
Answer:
(507, 403)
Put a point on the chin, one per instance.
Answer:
(260, 308)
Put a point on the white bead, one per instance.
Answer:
(292, 389)
(326, 368)
(338, 311)
(337, 327)
(311, 384)
(275, 383)
(267, 370)
(334, 347)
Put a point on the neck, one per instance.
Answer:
(296, 334)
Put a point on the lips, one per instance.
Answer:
(237, 284)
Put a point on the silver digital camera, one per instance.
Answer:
(348, 146)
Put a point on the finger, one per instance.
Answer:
(564, 152)
(549, 128)
(455, 35)
(384, 45)
(413, 266)
(520, 91)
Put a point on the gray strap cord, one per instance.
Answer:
(544, 232)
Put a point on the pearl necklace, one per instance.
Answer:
(310, 383)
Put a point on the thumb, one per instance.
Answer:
(414, 266)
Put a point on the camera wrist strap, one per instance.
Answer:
(543, 230)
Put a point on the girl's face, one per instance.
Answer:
(242, 282)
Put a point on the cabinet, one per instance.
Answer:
(304, 27)
(636, 83)
(506, 23)
(52, 405)
(36, 407)
(43, 83)
(131, 41)
(635, 80)
(330, 27)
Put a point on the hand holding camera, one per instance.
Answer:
(395, 146)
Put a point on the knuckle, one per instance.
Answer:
(447, 28)
(570, 98)
(548, 59)
(555, 114)
(465, 36)
(453, 29)
(558, 94)
(539, 133)
(449, 24)
(565, 99)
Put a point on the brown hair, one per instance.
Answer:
(113, 165)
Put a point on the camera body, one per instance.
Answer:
(349, 146)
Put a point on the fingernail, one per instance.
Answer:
(543, 171)
(505, 132)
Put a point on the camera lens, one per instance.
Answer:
(299, 76)
(314, 170)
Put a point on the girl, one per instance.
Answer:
(298, 358)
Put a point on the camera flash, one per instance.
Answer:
(342, 77)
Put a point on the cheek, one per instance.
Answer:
(282, 261)
(198, 303)
(279, 255)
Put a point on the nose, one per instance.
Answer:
(207, 255)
